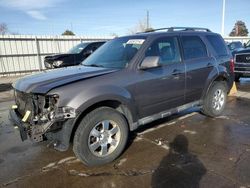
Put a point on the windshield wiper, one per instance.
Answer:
(93, 65)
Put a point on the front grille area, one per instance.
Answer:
(242, 58)
(23, 101)
(242, 63)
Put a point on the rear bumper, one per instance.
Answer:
(22, 127)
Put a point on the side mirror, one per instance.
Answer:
(150, 62)
(245, 45)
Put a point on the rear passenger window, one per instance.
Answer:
(218, 45)
(193, 47)
(167, 49)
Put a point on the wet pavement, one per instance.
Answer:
(185, 150)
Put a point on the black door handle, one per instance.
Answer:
(176, 74)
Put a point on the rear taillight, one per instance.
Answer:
(232, 65)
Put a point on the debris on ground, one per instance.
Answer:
(190, 132)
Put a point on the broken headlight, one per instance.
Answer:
(48, 110)
(45, 108)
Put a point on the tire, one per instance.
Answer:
(94, 142)
(214, 102)
(237, 78)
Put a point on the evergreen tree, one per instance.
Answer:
(68, 32)
(239, 29)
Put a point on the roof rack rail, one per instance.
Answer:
(171, 29)
(189, 29)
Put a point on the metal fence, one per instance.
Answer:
(21, 54)
(241, 39)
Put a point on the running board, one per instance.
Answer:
(164, 114)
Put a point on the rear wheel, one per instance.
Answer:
(215, 100)
(101, 136)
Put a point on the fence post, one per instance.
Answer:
(58, 45)
(38, 54)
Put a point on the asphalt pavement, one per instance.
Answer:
(185, 150)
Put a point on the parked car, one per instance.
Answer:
(128, 82)
(242, 62)
(247, 45)
(235, 46)
(73, 57)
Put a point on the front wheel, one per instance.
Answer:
(101, 136)
(215, 100)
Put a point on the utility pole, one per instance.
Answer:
(147, 19)
(223, 18)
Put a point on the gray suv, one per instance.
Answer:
(128, 82)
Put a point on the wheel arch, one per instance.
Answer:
(119, 105)
(221, 77)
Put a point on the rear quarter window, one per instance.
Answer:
(218, 44)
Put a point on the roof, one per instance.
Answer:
(171, 30)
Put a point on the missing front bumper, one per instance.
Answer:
(35, 132)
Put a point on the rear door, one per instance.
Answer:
(198, 66)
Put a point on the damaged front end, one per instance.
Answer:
(36, 115)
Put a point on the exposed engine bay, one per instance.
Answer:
(40, 113)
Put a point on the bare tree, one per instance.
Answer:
(15, 33)
(3, 28)
(141, 26)
(113, 35)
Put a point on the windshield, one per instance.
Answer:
(235, 45)
(78, 48)
(116, 53)
(248, 44)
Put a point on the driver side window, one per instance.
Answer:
(167, 49)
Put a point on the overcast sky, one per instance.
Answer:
(104, 17)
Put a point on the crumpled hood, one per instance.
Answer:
(43, 82)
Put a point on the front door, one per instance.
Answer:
(161, 88)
